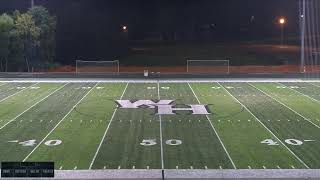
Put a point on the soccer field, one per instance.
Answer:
(162, 125)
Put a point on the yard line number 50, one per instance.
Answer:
(152, 142)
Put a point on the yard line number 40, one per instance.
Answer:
(32, 142)
(293, 142)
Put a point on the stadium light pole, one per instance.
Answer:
(32, 3)
(282, 22)
(303, 29)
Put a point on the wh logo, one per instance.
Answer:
(163, 107)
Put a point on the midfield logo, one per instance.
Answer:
(163, 107)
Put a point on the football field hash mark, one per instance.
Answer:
(234, 166)
(266, 127)
(284, 105)
(105, 133)
(20, 91)
(31, 107)
(58, 124)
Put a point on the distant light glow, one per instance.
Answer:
(282, 20)
(124, 28)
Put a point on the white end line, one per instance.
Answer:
(59, 123)
(265, 127)
(106, 131)
(32, 106)
(225, 149)
(284, 105)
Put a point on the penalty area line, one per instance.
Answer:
(224, 148)
(59, 123)
(106, 131)
(245, 107)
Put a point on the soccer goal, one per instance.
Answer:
(97, 66)
(208, 66)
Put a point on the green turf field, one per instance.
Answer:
(258, 125)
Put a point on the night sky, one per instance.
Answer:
(93, 25)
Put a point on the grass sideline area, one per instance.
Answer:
(251, 125)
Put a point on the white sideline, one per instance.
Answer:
(285, 105)
(18, 92)
(32, 106)
(160, 122)
(106, 131)
(172, 80)
(234, 166)
(266, 127)
(58, 123)
(300, 93)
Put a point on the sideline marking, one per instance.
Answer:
(266, 127)
(234, 166)
(32, 107)
(105, 133)
(58, 123)
(284, 105)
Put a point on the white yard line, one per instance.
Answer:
(32, 106)
(300, 93)
(106, 131)
(266, 127)
(4, 84)
(160, 122)
(284, 105)
(313, 84)
(18, 92)
(225, 149)
(59, 123)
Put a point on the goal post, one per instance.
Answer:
(208, 66)
(97, 66)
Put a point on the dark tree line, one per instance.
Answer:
(27, 40)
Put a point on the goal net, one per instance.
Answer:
(208, 66)
(97, 66)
